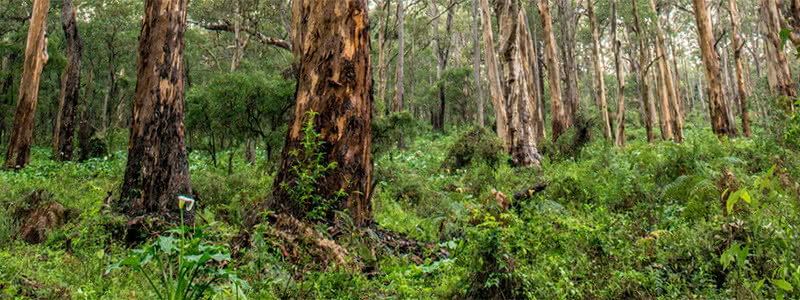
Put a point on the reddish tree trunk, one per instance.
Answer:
(719, 115)
(332, 46)
(70, 87)
(19, 146)
(158, 169)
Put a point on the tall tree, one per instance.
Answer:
(19, 145)
(476, 60)
(779, 75)
(568, 19)
(644, 67)
(557, 111)
(158, 168)
(719, 114)
(599, 81)
(671, 104)
(400, 92)
(442, 49)
(620, 71)
(498, 99)
(534, 85)
(70, 87)
(738, 44)
(386, 16)
(332, 47)
(513, 48)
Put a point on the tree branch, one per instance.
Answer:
(228, 27)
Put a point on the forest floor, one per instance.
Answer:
(705, 219)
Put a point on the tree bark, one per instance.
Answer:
(533, 83)
(671, 104)
(644, 88)
(738, 44)
(332, 46)
(557, 111)
(19, 145)
(70, 87)
(498, 99)
(568, 19)
(513, 52)
(599, 81)
(779, 74)
(84, 129)
(400, 92)
(620, 71)
(476, 61)
(382, 52)
(157, 170)
(719, 115)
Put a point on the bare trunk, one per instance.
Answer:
(158, 170)
(498, 100)
(19, 145)
(672, 104)
(557, 111)
(719, 115)
(63, 141)
(568, 22)
(337, 84)
(599, 81)
(513, 51)
(84, 129)
(400, 92)
(620, 71)
(476, 61)
(738, 44)
(532, 70)
(382, 52)
(644, 65)
(780, 76)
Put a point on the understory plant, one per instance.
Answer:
(185, 267)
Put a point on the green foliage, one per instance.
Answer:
(793, 129)
(477, 145)
(308, 168)
(187, 268)
(388, 130)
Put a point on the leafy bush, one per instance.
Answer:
(477, 145)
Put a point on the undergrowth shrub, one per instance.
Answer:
(477, 145)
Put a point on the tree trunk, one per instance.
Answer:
(19, 145)
(557, 111)
(476, 61)
(738, 44)
(780, 79)
(670, 104)
(70, 88)
(513, 52)
(599, 81)
(498, 100)
(382, 52)
(568, 21)
(332, 45)
(400, 92)
(442, 53)
(719, 115)
(537, 109)
(84, 129)
(158, 170)
(620, 71)
(644, 88)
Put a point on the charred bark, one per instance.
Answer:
(70, 87)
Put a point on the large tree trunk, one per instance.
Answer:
(476, 61)
(557, 111)
(719, 115)
(780, 77)
(620, 71)
(19, 145)
(498, 99)
(738, 44)
(70, 87)
(331, 44)
(158, 170)
(599, 81)
(644, 66)
(513, 52)
(533, 83)
(568, 19)
(400, 91)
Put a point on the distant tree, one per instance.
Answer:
(557, 110)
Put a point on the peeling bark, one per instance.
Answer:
(498, 99)
(719, 115)
(557, 110)
(19, 145)
(620, 71)
(157, 169)
(738, 44)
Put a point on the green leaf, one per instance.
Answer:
(784, 34)
(759, 285)
(746, 196)
(167, 244)
(732, 199)
(782, 284)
